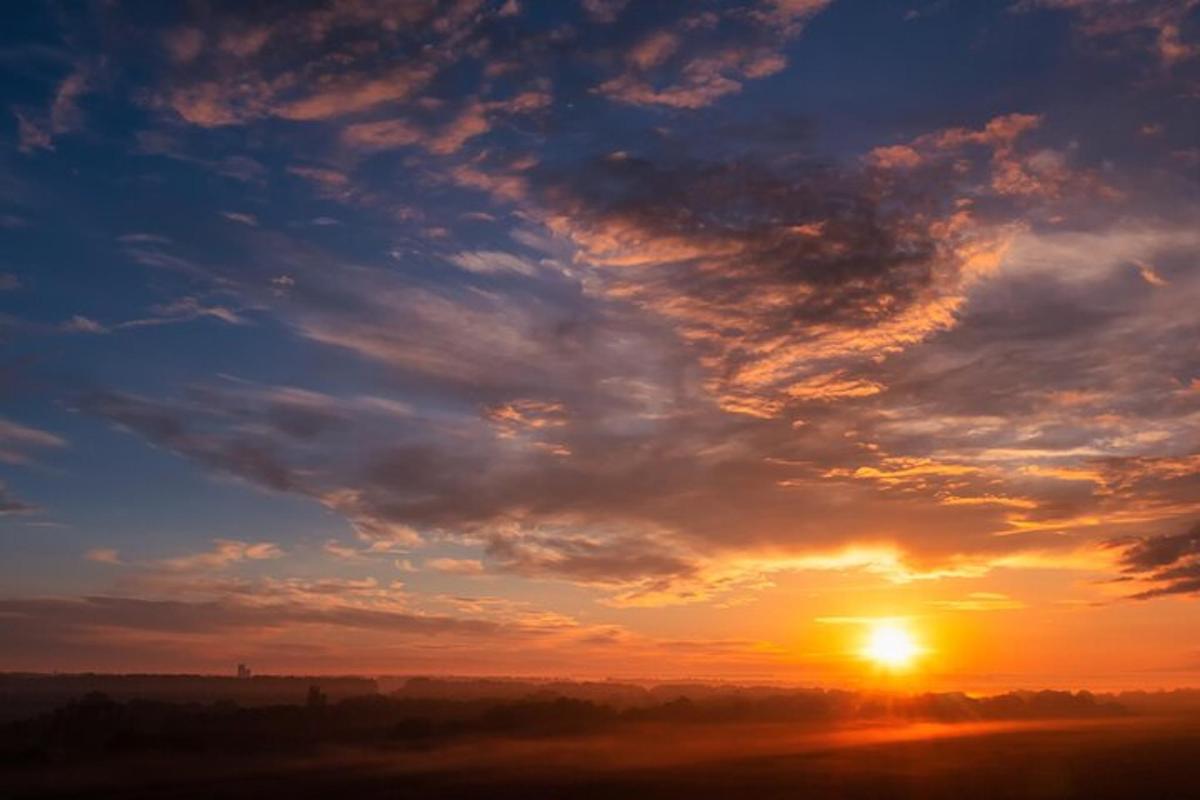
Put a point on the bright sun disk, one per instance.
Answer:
(890, 645)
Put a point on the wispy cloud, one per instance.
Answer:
(1169, 563)
(16, 441)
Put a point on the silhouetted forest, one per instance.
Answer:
(300, 737)
(424, 712)
(24, 695)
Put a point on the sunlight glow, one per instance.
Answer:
(890, 645)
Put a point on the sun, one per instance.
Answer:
(891, 646)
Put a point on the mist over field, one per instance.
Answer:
(452, 738)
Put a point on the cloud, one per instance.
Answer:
(455, 566)
(516, 416)
(16, 440)
(184, 44)
(832, 386)
(82, 324)
(898, 156)
(242, 217)
(315, 64)
(812, 267)
(223, 553)
(1149, 274)
(705, 357)
(37, 130)
(64, 111)
(588, 559)
(297, 624)
(330, 178)
(329, 182)
(471, 122)
(702, 81)
(10, 504)
(384, 134)
(253, 458)
(1165, 20)
(30, 135)
(690, 66)
(352, 93)
(867, 320)
(980, 601)
(491, 262)
(216, 104)
(1015, 172)
(195, 617)
(144, 238)
(580, 435)
(604, 11)
(472, 119)
(185, 309)
(74, 617)
(1158, 551)
(245, 41)
(103, 555)
(1170, 563)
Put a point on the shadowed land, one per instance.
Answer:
(446, 739)
(1044, 759)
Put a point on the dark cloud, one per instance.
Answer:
(304, 416)
(1169, 562)
(786, 275)
(639, 511)
(253, 457)
(86, 623)
(1161, 551)
(772, 234)
(611, 560)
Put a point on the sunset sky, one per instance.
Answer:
(602, 338)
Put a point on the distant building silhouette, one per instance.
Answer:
(243, 671)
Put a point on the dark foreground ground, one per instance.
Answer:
(1142, 758)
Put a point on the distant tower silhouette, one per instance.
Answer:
(243, 671)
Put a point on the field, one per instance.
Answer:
(1113, 758)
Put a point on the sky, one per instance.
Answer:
(602, 338)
